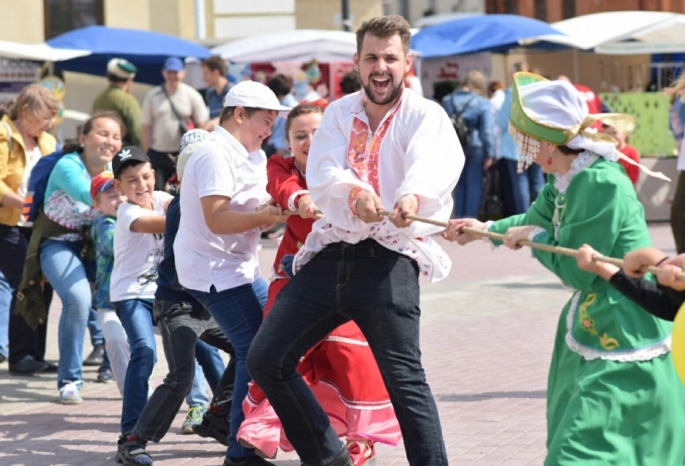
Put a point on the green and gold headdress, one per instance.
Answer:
(555, 112)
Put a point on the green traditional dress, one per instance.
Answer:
(613, 395)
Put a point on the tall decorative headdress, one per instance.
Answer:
(555, 112)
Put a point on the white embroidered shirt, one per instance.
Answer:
(414, 150)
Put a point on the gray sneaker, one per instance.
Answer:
(131, 452)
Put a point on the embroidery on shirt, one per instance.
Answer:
(587, 323)
(364, 149)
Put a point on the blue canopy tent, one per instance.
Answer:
(145, 49)
(496, 33)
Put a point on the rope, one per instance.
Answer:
(531, 244)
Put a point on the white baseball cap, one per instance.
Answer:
(252, 94)
(192, 136)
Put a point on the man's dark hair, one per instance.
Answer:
(279, 84)
(383, 27)
(350, 82)
(113, 78)
(216, 63)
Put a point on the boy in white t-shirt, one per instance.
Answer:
(138, 250)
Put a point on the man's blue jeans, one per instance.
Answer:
(469, 190)
(520, 189)
(71, 278)
(238, 312)
(379, 290)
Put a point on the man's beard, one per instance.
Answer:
(391, 96)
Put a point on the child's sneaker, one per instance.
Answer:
(70, 394)
(193, 418)
(214, 425)
(131, 451)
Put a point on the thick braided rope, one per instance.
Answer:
(531, 244)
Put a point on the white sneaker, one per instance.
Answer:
(70, 394)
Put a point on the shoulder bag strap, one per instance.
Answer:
(173, 109)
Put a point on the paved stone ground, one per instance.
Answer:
(487, 336)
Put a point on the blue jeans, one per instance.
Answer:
(70, 277)
(520, 189)
(6, 295)
(379, 290)
(136, 318)
(469, 188)
(238, 312)
(210, 362)
(94, 328)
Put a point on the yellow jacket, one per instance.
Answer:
(12, 164)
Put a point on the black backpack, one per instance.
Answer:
(460, 126)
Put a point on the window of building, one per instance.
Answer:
(541, 10)
(502, 6)
(569, 7)
(65, 15)
(511, 7)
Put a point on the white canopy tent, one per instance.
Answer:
(626, 32)
(298, 45)
(39, 52)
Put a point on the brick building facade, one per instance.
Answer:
(557, 10)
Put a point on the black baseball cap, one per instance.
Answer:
(128, 153)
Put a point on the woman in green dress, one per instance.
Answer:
(613, 396)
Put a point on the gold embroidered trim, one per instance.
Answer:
(587, 323)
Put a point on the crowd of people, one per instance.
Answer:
(482, 112)
(151, 222)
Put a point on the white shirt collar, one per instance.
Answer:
(231, 141)
(357, 106)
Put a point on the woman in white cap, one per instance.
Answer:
(223, 209)
(613, 396)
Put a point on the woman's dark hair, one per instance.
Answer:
(88, 127)
(568, 151)
(302, 109)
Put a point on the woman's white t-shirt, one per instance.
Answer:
(220, 166)
(137, 255)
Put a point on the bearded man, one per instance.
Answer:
(382, 146)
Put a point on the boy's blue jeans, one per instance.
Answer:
(238, 312)
(136, 318)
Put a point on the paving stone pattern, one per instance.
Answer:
(487, 335)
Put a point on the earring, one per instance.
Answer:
(549, 161)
